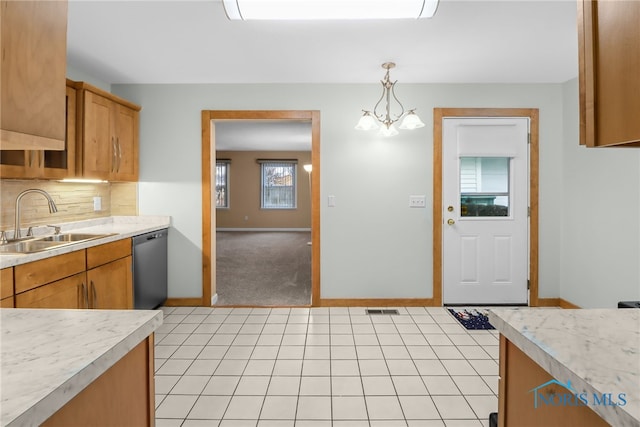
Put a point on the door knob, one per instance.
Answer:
(450, 221)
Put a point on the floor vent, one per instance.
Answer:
(379, 311)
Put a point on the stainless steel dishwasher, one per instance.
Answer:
(150, 269)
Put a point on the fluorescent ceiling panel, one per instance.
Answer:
(328, 9)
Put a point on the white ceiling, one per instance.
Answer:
(476, 41)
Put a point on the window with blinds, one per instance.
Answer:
(278, 184)
(222, 184)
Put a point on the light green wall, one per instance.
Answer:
(600, 218)
(79, 75)
(372, 244)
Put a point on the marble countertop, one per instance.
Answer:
(598, 350)
(121, 227)
(49, 356)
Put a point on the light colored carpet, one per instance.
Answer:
(263, 268)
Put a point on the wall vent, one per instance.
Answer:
(381, 311)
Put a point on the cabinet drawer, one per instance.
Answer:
(99, 255)
(6, 282)
(34, 274)
(66, 293)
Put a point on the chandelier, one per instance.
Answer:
(384, 121)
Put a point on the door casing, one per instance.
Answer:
(438, 115)
(209, 117)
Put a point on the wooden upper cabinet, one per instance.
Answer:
(609, 61)
(98, 142)
(48, 164)
(109, 140)
(126, 124)
(34, 55)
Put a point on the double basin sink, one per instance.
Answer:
(38, 244)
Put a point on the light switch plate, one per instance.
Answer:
(97, 203)
(331, 201)
(417, 201)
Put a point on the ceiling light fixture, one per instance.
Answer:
(329, 9)
(371, 118)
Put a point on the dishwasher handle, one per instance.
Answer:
(142, 238)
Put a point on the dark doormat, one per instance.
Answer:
(471, 318)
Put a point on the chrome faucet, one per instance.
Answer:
(52, 208)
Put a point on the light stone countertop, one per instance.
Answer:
(123, 226)
(49, 356)
(598, 350)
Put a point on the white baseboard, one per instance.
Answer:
(214, 299)
(263, 229)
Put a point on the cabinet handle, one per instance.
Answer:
(85, 295)
(30, 158)
(119, 153)
(95, 295)
(114, 155)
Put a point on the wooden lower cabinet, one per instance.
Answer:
(37, 273)
(6, 288)
(111, 285)
(110, 275)
(66, 293)
(123, 396)
(518, 376)
(99, 277)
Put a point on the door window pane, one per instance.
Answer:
(484, 186)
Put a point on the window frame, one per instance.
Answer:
(226, 163)
(294, 186)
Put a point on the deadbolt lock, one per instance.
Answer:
(450, 208)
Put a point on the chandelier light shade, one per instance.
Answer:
(328, 9)
(384, 121)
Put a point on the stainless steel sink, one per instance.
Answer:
(39, 244)
(71, 237)
(26, 247)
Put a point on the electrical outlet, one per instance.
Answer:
(417, 201)
(97, 204)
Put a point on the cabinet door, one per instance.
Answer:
(609, 59)
(126, 134)
(34, 47)
(62, 164)
(98, 140)
(111, 285)
(37, 273)
(122, 396)
(16, 163)
(54, 164)
(6, 287)
(66, 293)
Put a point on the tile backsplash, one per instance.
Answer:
(74, 201)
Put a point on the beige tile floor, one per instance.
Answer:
(322, 367)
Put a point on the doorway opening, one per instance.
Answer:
(275, 194)
(458, 213)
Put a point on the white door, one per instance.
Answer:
(485, 193)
